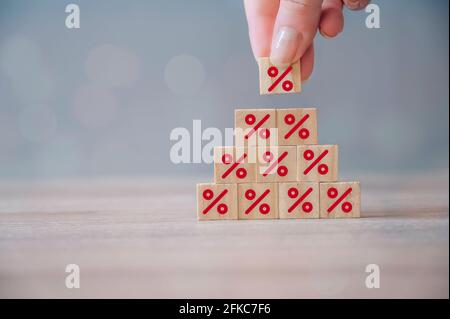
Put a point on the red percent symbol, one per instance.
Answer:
(346, 206)
(286, 85)
(321, 168)
(293, 192)
(281, 170)
(290, 119)
(221, 208)
(264, 208)
(250, 119)
(227, 159)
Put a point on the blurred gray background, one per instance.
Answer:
(101, 100)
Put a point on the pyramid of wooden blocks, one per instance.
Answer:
(277, 171)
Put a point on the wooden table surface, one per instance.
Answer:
(140, 238)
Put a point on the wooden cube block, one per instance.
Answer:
(299, 200)
(278, 79)
(297, 126)
(254, 126)
(340, 200)
(276, 164)
(258, 201)
(234, 165)
(216, 201)
(317, 163)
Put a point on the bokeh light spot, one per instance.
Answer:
(184, 75)
(37, 123)
(110, 66)
(95, 107)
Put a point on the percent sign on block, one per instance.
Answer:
(216, 201)
(258, 201)
(232, 165)
(299, 200)
(317, 163)
(297, 126)
(276, 79)
(276, 164)
(340, 200)
(254, 126)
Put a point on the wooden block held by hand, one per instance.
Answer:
(254, 126)
(258, 201)
(299, 200)
(216, 201)
(340, 200)
(297, 126)
(317, 163)
(276, 164)
(277, 79)
(234, 165)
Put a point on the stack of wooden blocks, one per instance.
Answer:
(297, 178)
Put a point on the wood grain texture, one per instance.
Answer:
(297, 126)
(317, 163)
(276, 164)
(249, 205)
(332, 207)
(276, 82)
(139, 238)
(234, 165)
(245, 122)
(216, 201)
(299, 200)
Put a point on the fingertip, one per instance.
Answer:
(355, 5)
(331, 23)
(295, 28)
(307, 64)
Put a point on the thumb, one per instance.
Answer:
(295, 27)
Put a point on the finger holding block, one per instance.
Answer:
(299, 200)
(340, 200)
(278, 80)
(297, 126)
(216, 201)
(317, 163)
(258, 201)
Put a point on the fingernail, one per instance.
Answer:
(353, 4)
(325, 35)
(284, 46)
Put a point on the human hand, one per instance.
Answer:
(285, 29)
